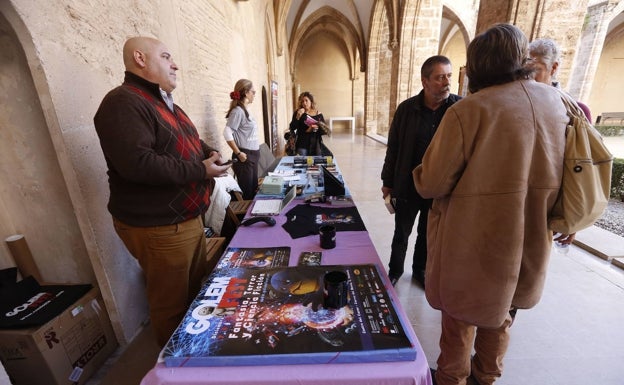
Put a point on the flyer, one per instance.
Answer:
(275, 316)
(260, 257)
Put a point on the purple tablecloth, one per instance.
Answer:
(352, 247)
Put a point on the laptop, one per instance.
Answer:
(273, 206)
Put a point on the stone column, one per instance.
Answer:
(590, 47)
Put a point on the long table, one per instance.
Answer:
(352, 248)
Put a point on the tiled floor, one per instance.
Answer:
(574, 336)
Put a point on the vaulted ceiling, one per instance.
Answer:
(348, 21)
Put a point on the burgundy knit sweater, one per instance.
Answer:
(154, 157)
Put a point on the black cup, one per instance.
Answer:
(336, 290)
(327, 234)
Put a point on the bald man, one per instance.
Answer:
(159, 174)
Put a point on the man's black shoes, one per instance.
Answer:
(419, 276)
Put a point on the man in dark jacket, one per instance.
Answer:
(159, 173)
(414, 123)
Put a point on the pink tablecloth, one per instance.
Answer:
(352, 247)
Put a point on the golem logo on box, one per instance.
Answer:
(33, 302)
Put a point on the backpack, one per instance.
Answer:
(586, 181)
(291, 143)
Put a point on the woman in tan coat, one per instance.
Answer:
(493, 168)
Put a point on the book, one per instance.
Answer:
(274, 316)
(389, 204)
(310, 121)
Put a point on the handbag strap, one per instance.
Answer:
(573, 109)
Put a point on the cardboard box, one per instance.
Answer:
(67, 350)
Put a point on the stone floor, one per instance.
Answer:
(574, 336)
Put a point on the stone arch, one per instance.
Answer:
(281, 15)
(328, 20)
(590, 47)
(52, 213)
(323, 69)
(379, 58)
(325, 60)
(455, 25)
(35, 121)
(454, 40)
(269, 115)
(73, 253)
(606, 93)
(616, 24)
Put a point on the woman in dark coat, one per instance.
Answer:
(308, 124)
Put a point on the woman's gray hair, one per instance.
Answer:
(546, 50)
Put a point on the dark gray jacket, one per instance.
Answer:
(408, 140)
